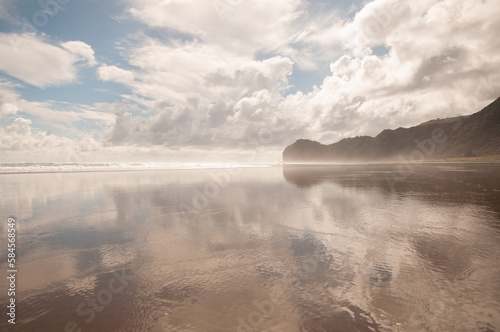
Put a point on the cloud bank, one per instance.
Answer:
(224, 75)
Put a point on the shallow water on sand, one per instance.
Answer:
(299, 248)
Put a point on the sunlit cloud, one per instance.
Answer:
(202, 76)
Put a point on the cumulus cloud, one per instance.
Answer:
(224, 78)
(439, 52)
(113, 73)
(81, 50)
(261, 118)
(270, 74)
(8, 108)
(18, 136)
(170, 126)
(179, 70)
(20, 127)
(34, 61)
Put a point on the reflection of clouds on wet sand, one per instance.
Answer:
(326, 249)
(416, 241)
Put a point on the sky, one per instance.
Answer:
(233, 80)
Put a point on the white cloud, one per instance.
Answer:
(81, 50)
(270, 74)
(8, 108)
(243, 28)
(34, 61)
(51, 112)
(179, 71)
(19, 139)
(113, 73)
(441, 54)
(224, 78)
(20, 127)
(8, 99)
(113, 107)
(18, 136)
(205, 93)
(224, 23)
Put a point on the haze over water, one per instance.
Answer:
(294, 248)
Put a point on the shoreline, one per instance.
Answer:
(56, 170)
(461, 160)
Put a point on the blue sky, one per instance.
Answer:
(203, 80)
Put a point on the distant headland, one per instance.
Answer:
(474, 137)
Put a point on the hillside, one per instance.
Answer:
(476, 135)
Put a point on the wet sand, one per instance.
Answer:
(299, 248)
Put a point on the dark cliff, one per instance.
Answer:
(476, 135)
